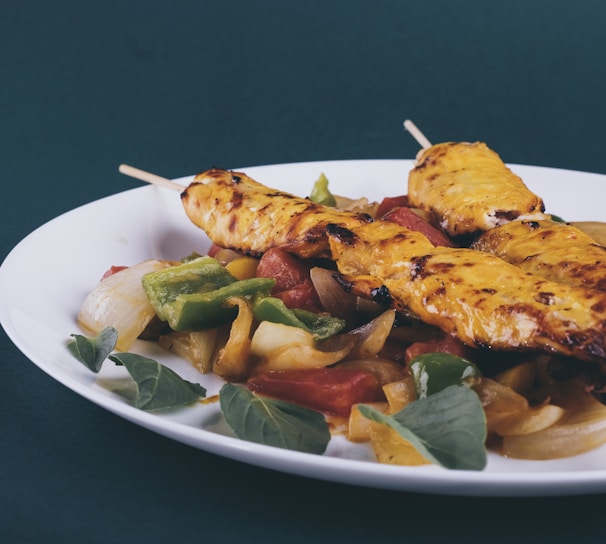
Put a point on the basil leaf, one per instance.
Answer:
(448, 428)
(158, 387)
(93, 351)
(273, 422)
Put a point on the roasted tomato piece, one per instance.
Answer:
(409, 219)
(287, 270)
(443, 344)
(301, 297)
(391, 202)
(328, 390)
(293, 283)
(214, 248)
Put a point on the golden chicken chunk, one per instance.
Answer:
(551, 250)
(236, 212)
(475, 296)
(466, 188)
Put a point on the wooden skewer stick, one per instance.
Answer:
(154, 179)
(417, 134)
(149, 177)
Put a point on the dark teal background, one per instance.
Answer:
(177, 87)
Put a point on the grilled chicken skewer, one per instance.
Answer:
(467, 189)
(552, 250)
(239, 213)
(477, 297)
(454, 181)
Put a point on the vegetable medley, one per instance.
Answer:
(297, 351)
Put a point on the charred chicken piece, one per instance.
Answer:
(466, 188)
(477, 297)
(239, 213)
(552, 250)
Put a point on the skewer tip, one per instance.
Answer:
(417, 134)
(148, 177)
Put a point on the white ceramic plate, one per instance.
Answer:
(38, 312)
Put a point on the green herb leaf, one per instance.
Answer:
(93, 351)
(447, 428)
(158, 387)
(273, 422)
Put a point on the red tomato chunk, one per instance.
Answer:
(214, 249)
(327, 390)
(391, 202)
(293, 283)
(409, 219)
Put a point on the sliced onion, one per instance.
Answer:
(391, 448)
(119, 301)
(367, 309)
(595, 229)
(499, 398)
(282, 347)
(338, 302)
(581, 428)
(358, 426)
(501, 403)
(226, 256)
(334, 299)
(224, 350)
(400, 393)
(359, 205)
(533, 420)
(271, 336)
(371, 337)
(233, 360)
(520, 378)
(197, 347)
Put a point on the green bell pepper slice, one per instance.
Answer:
(432, 372)
(320, 193)
(191, 296)
(319, 326)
